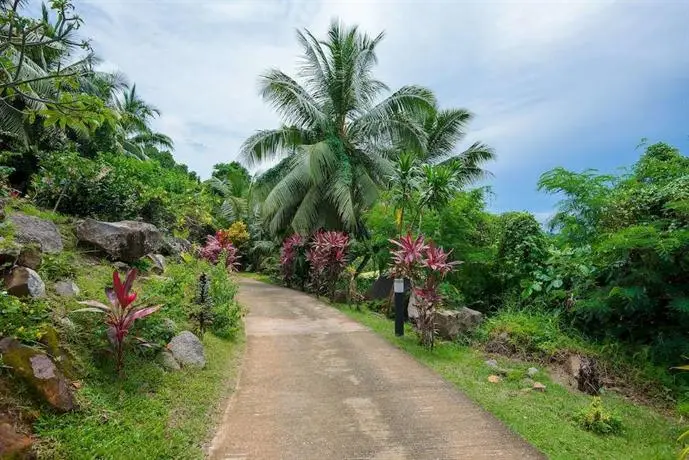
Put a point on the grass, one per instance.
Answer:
(544, 419)
(257, 276)
(148, 414)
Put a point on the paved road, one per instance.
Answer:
(317, 385)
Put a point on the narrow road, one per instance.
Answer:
(317, 385)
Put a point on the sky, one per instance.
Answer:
(572, 84)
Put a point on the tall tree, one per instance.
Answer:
(337, 133)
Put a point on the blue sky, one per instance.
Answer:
(573, 84)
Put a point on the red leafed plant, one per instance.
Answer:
(425, 265)
(293, 263)
(327, 255)
(120, 314)
(216, 245)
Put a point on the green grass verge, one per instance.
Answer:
(148, 414)
(543, 419)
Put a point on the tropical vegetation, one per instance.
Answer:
(360, 183)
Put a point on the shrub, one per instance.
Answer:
(425, 265)
(24, 321)
(597, 420)
(121, 314)
(327, 257)
(227, 314)
(293, 262)
(58, 266)
(218, 244)
(238, 233)
(202, 311)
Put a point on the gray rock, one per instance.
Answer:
(127, 241)
(67, 288)
(450, 324)
(173, 246)
(120, 266)
(31, 257)
(168, 361)
(187, 350)
(492, 363)
(24, 282)
(538, 386)
(30, 229)
(412, 309)
(39, 372)
(158, 263)
(531, 371)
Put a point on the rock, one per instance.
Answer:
(412, 309)
(538, 386)
(168, 361)
(531, 371)
(127, 241)
(173, 246)
(120, 266)
(13, 444)
(450, 324)
(187, 350)
(66, 288)
(30, 229)
(494, 379)
(492, 363)
(23, 282)
(9, 252)
(30, 257)
(158, 263)
(340, 296)
(60, 355)
(39, 372)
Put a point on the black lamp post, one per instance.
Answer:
(399, 307)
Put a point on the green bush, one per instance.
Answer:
(58, 266)
(23, 320)
(227, 313)
(118, 187)
(597, 420)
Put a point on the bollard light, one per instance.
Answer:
(399, 307)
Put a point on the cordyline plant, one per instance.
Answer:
(425, 265)
(215, 245)
(327, 255)
(293, 263)
(202, 313)
(121, 314)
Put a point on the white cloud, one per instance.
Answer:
(531, 71)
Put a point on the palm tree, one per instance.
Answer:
(445, 129)
(134, 134)
(337, 134)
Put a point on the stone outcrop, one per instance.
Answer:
(30, 257)
(451, 324)
(125, 241)
(32, 230)
(66, 288)
(39, 372)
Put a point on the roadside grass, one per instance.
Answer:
(149, 413)
(543, 419)
(257, 276)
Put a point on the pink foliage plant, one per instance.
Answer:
(425, 265)
(327, 255)
(215, 246)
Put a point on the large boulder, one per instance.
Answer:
(168, 361)
(173, 246)
(32, 230)
(127, 241)
(187, 349)
(24, 282)
(39, 372)
(451, 324)
(66, 288)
